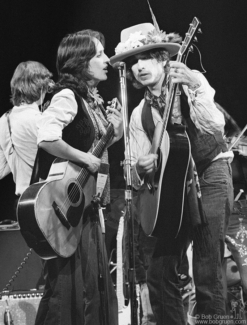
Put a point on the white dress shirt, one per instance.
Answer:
(60, 113)
(19, 161)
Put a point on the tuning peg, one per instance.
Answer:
(191, 49)
(199, 31)
(195, 39)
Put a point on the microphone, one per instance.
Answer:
(117, 65)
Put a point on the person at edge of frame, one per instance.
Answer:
(70, 128)
(18, 132)
(147, 52)
(236, 232)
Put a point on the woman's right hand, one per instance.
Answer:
(93, 163)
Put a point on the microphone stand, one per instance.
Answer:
(128, 196)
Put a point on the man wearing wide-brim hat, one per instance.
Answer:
(147, 51)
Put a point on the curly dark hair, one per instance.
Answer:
(73, 56)
(159, 55)
(29, 79)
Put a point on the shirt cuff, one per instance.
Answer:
(193, 93)
(50, 134)
(137, 182)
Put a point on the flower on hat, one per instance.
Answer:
(156, 36)
(135, 40)
(138, 39)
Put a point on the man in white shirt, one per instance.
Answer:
(147, 52)
(18, 130)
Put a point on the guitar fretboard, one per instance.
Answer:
(97, 152)
(173, 87)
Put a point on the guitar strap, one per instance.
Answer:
(147, 120)
(102, 178)
(35, 173)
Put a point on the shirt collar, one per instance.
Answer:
(157, 102)
(25, 106)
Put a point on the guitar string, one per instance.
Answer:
(74, 191)
(179, 59)
(82, 177)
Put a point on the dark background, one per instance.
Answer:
(32, 30)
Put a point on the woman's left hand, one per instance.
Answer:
(114, 116)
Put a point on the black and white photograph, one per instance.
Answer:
(123, 162)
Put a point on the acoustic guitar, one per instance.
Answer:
(50, 212)
(161, 198)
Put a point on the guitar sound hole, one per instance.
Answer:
(74, 193)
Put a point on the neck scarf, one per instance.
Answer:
(157, 102)
(93, 98)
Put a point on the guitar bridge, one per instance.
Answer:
(64, 221)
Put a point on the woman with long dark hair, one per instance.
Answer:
(70, 129)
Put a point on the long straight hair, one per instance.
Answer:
(73, 56)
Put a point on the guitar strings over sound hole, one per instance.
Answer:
(74, 193)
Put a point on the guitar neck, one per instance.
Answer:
(97, 152)
(173, 87)
(102, 144)
(172, 92)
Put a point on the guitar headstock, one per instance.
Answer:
(114, 103)
(190, 36)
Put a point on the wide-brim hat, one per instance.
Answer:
(141, 38)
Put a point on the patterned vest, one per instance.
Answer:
(204, 146)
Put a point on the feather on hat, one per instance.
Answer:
(144, 37)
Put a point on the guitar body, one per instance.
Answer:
(50, 212)
(161, 206)
(161, 199)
